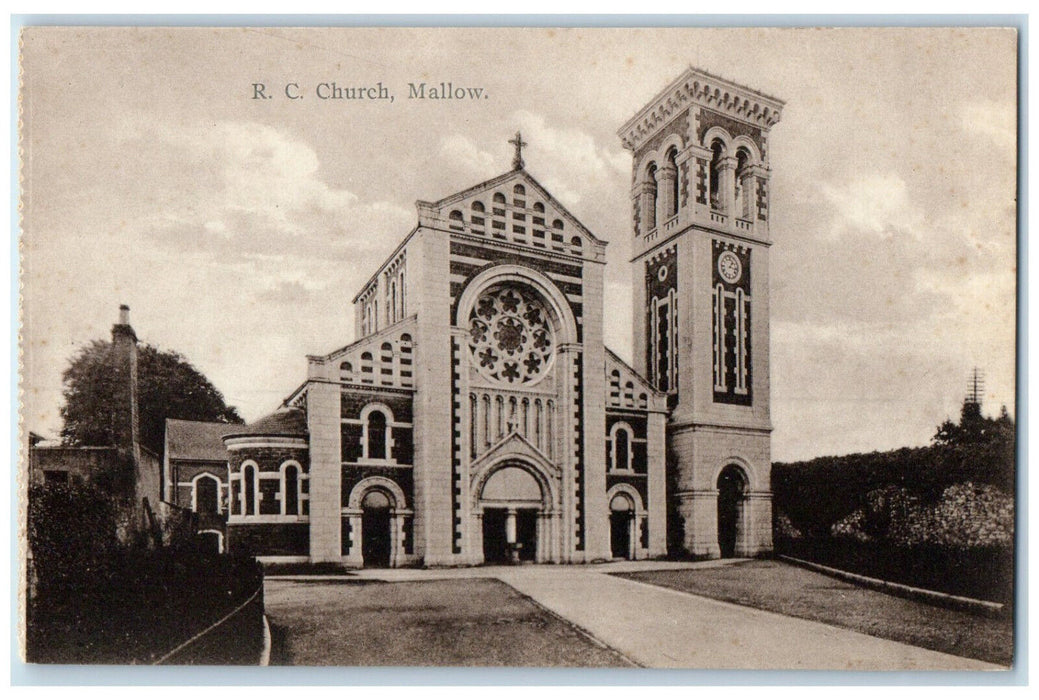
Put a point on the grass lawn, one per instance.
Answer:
(469, 622)
(791, 590)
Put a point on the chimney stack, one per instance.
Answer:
(126, 431)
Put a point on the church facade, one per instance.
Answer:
(479, 416)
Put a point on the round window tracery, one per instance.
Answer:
(510, 335)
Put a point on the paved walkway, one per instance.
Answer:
(663, 628)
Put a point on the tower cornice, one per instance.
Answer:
(701, 88)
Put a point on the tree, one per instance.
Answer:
(974, 428)
(168, 387)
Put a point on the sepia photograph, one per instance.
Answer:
(482, 347)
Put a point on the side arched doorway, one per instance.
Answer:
(622, 525)
(732, 490)
(513, 510)
(376, 534)
(376, 524)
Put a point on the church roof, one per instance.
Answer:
(197, 440)
(528, 180)
(284, 421)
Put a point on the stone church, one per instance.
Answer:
(480, 418)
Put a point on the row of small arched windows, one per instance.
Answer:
(527, 226)
(625, 396)
(392, 366)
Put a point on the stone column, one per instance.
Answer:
(666, 204)
(646, 196)
(726, 184)
(510, 526)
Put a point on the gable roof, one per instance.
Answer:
(518, 175)
(197, 440)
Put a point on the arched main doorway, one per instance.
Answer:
(732, 487)
(511, 503)
(376, 543)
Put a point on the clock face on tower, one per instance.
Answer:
(729, 266)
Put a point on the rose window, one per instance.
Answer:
(510, 336)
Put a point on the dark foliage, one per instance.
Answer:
(816, 494)
(168, 387)
(94, 600)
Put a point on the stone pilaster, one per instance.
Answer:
(323, 424)
(434, 528)
(657, 485)
(597, 532)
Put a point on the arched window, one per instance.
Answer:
(519, 189)
(558, 224)
(621, 448)
(290, 489)
(406, 372)
(386, 364)
(367, 369)
(478, 206)
(346, 372)
(377, 430)
(206, 496)
(249, 490)
(672, 161)
(539, 208)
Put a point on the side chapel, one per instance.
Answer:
(479, 416)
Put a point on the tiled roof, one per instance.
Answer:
(286, 421)
(189, 439)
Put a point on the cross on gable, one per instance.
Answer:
(519, 143)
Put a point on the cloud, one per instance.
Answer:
(460, 152)
(878, 203)
(571, 160)
(997, 121)
(246, 192)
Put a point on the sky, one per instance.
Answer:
(238, 230)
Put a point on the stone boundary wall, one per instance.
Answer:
(924, 595)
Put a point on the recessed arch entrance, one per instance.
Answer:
(513, 507)
(376, 544)
(622, 517)
(732, 495)
(375, 522)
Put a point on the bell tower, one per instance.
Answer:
(701, 239)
